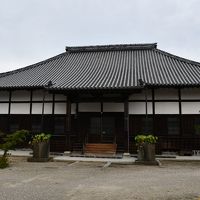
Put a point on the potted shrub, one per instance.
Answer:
(146, 147)
(41, 147)
(149, 147)
(140, 140)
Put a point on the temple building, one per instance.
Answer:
(103, 96)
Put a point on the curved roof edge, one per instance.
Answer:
(31, 66)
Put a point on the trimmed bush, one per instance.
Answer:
(4, 162)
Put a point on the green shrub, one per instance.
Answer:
(149, 139)
(10, 141)
(42, 137)
(4, 162)
(140, 139)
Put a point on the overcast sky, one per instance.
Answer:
(34, 30)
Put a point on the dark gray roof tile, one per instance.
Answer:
(108, 66)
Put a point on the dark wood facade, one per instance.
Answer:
(176, 132)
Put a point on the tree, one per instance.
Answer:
(10, 141)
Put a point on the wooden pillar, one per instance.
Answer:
(101, 119)
(180, 119)
(68, 125)
(43, 100)
(126, 126)
(9, 109)
(79, 137)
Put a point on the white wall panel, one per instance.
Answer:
(139, 108)
(73, 108)
(190, 107)
(4, 96)
(89, 107)
(60, 97)
(38, 95)
(60, 108)
(4, 108)
(113, 107)
(20, 95)
(165, 93)
(48, 108)
(37, 108)
(166, 108)
(20, 108)
(141, 96)
(190, 93)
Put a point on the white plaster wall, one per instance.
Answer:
(166, 94)
(60, 108)
(4, 108)
(20, 108)
(89, 107)
(60, 97)
(113, 107)
(73, 108)
(190, 93)
(4, 96)
(37, 108)
(141, 96)
(20, 95)
(139, 108)
(166, 108)
(190, 107)
(38, 95)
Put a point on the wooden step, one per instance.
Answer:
(99, 148)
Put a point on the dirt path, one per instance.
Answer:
(94, 181)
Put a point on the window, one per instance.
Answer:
(147, 125)
(59, 125)
(13, 124)
(173, 125)
(197, 126)
(36, 125)
(108, 125)
(95, 125)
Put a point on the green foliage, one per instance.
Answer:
(141, 139)
(42, 137)
(10, 141)
(150, 139)
(4, 162)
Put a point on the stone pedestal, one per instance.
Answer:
(126, 154)
(40, 152)
(146, 155)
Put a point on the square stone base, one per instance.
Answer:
(139, 162)
(31, 159)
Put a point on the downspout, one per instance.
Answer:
(144, 85)
(49, 84)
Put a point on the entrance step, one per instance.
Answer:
(99, 148)
(77, 147)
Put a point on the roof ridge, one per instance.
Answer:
(113, 47)
(3, 74)
(178, 57)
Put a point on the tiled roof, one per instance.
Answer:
(106, 67)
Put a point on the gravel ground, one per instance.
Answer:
(81, 181)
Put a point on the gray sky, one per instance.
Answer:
(34, 30)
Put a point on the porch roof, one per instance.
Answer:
(106, 67)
